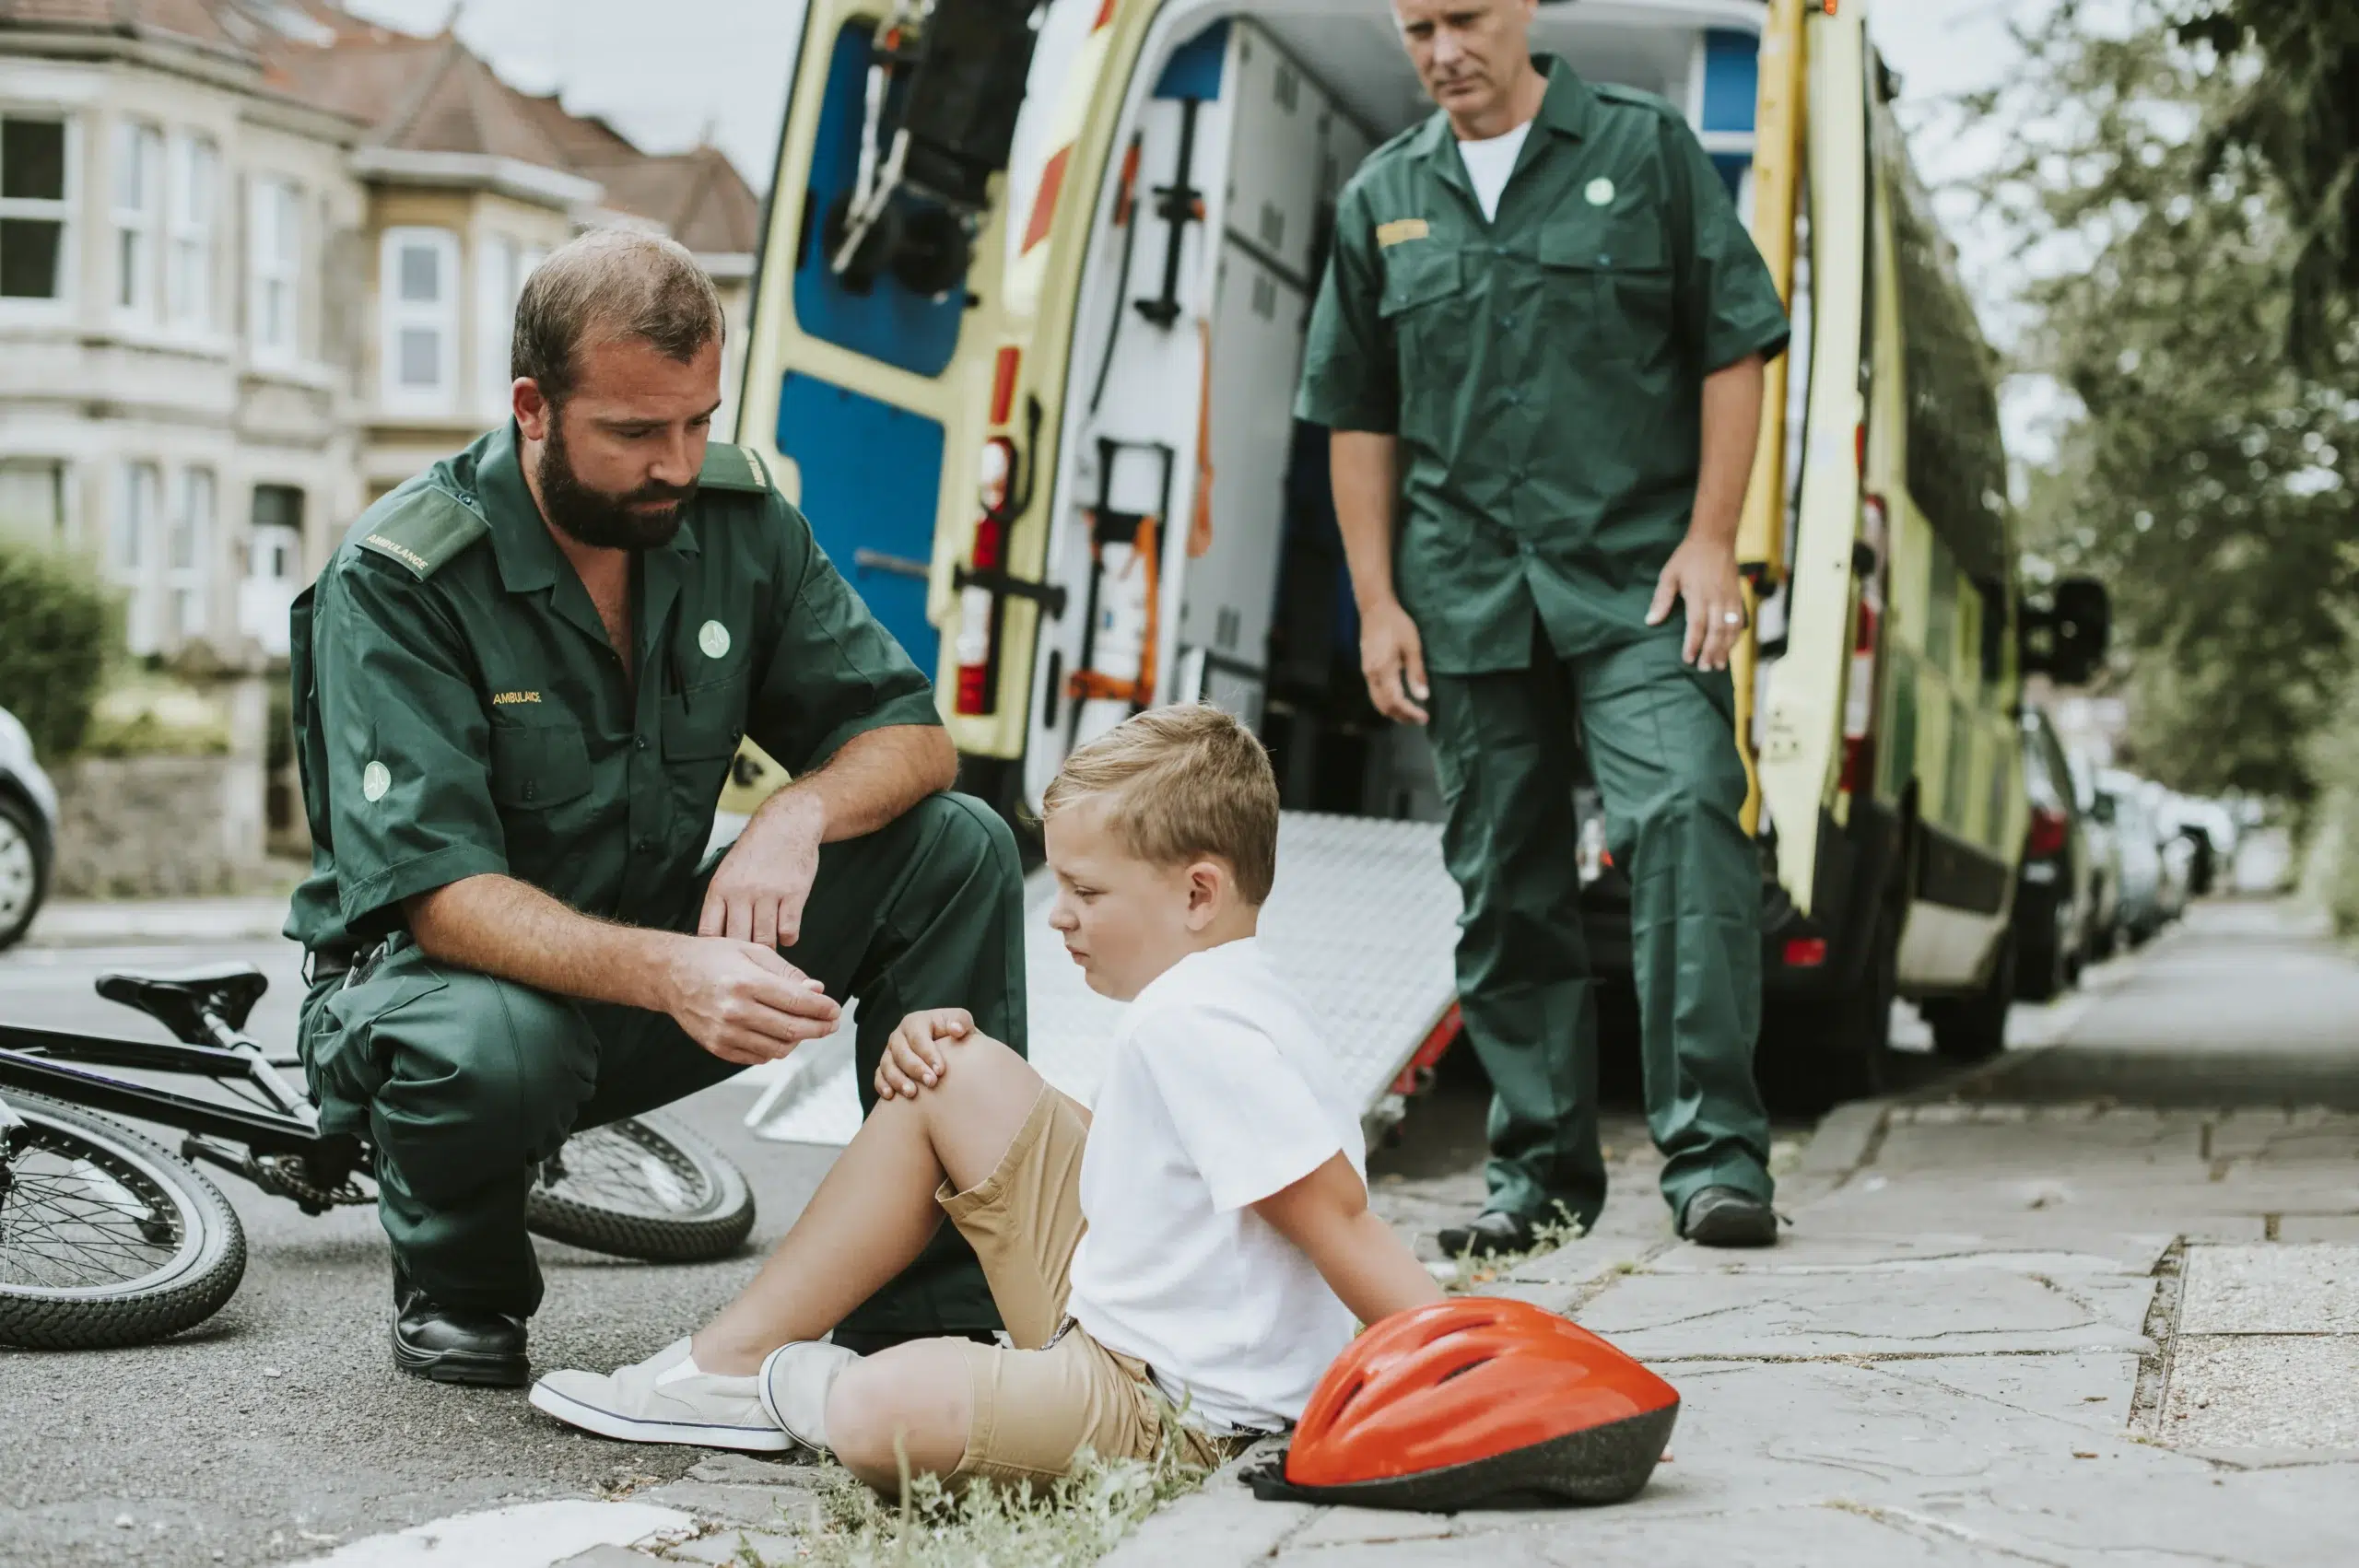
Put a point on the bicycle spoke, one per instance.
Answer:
(73, 1218)
(629, 1170)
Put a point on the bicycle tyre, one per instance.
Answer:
(644, 1188)
(189, 1284)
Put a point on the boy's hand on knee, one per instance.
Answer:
(913, 1057)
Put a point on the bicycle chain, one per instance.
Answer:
(285, 1176)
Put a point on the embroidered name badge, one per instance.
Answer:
(1400, 228)
(402, 553)
(502, 699)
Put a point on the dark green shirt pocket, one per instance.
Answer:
(704, 721)
(534, 766)
(1424, 305)
(1608, 281)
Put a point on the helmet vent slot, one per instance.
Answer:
(1462, 1371)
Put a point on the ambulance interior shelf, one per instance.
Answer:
(945, 84)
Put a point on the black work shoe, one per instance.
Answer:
(1726, 1216)
(1489, 1234)
(455, 1345)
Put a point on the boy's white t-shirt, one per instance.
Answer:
(1218, 1092)
(1488, 164)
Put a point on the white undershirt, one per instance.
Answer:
(1488, 164)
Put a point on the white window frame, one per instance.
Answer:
(399, 317)
(131, 548)
(59, 473)
(274, 267)
(137, 185)
(41, 209)
(196, 208)
(497, 277)
(188, 551)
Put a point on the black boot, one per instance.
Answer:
(1489, 1234)
(1728, 1216)
(455, 1344)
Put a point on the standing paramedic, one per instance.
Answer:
(1539, 349)
(518, 684)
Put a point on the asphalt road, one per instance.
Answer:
(280, 1426)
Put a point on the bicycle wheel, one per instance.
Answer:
(105, 1238)
(646, 1188)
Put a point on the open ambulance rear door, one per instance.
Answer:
(878, 298)
(1819, 693)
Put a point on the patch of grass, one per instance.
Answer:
(1070, 1524)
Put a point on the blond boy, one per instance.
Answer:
(1206, 1239)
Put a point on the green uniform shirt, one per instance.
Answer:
(459, 709)
(1543, 371)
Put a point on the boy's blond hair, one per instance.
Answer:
(1184, 782)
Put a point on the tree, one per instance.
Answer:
(2298, 113)
(2207, 476)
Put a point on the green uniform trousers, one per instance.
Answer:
(464, 1083)
(1659, 744)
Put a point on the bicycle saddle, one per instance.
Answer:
(179, 999)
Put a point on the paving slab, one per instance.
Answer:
(2318, 1227)
(2274, 1392)
(2090, 1391)
(1804, 1251)
(1822, 1536)
(1662, 1316)
(2271, 1290)
(2093, 1514)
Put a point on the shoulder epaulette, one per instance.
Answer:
(1637, 97)
(431, 529)
(728, 466)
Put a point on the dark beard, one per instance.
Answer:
(601, 521)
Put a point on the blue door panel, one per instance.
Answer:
(872, 476)
(905, 330)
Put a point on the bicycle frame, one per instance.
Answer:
(43, 1061)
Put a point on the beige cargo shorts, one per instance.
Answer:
(1058, 1392)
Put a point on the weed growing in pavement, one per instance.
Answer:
(1071, 1522)
(1546, 1237)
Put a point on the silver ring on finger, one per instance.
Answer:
(1733, 618)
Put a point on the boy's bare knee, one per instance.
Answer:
(909, 1404)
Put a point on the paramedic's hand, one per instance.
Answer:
(1392, 657)
(1702, 573)
(742, 1001)
(913, 1057)
(758, 893)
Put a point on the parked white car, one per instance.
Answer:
(28, 830)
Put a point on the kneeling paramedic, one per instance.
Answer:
(1538, 349)
(519, 684)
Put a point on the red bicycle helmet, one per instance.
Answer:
(1475, 1399)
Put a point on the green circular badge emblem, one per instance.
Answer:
(1599, 192)
(713, 637)
(375, 780)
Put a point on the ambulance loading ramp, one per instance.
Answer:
(1363, 922)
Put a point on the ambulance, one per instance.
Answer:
(1026, 328)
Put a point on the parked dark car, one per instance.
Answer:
(28, 830)
(2056, 889)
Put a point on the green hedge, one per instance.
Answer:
(56, 626)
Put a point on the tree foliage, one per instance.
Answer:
(2298, 113)
(2207, 476)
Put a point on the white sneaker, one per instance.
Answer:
(664, 1399)
(793, 1383)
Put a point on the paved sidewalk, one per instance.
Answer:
(2000, 1331)
(125, 922)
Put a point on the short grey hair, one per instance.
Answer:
(611, 282)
